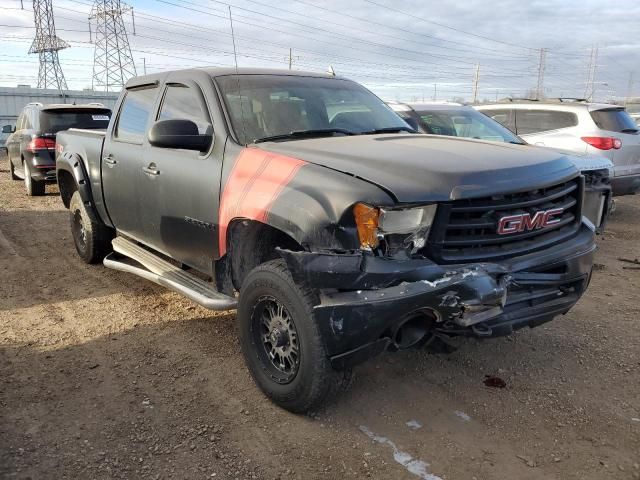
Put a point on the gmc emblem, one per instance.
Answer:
(525, 222)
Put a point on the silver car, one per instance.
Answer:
(454, 119)
(578, 126)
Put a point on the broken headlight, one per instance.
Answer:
(411, 224)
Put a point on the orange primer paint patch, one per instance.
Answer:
(255, 181)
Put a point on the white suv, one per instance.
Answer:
(595, 128)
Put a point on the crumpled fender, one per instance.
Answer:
(310, 203)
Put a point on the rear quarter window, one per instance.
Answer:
(536, 121)
(614, 120)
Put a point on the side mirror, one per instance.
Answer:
(180, 134)
(8, 129)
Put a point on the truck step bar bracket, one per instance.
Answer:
(155, 269)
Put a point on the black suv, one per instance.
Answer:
(32, 143)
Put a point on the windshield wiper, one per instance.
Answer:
(389, 130)
(629, 130)
(319, 132)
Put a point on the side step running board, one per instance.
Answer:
(153, 268)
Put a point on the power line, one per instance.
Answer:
(305, 36)
(391, 27)
(261, 40)
(447, 26)
(352, 27)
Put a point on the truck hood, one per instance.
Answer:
(429, 168)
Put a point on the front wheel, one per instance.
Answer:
(35, 188)
(91, 238)
(281, 342)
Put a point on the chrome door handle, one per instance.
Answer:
(151, 169)
(109, 160)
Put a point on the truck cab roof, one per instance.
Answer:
(225, 71)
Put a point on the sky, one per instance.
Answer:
(402, 50)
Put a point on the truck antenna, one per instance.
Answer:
(235, 59)
(233, 39)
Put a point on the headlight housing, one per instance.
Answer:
(374, 223)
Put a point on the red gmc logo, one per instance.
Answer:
(525, 222)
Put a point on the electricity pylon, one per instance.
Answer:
(112, 60)
(47, 45)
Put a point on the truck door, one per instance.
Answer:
(180, 188)
(122, 160)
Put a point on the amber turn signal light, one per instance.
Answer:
(367, 218)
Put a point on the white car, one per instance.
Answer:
(578, 126)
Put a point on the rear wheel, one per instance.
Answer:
(281, 342)
(35, 188)
(92, 239)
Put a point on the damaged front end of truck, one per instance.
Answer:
(461, 276)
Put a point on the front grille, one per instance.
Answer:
(466, 230)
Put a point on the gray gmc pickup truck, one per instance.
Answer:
(336, 231)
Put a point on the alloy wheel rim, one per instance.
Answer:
(80, 231)
(278, 337)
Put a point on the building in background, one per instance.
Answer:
(13, 100)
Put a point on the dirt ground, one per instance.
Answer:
(103, 375)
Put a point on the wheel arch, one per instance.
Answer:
(252, 243)
(67, 185)
(71, 177)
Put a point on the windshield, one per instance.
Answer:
(270, 105)
(614, 120)
(54, 121)
(467, 123)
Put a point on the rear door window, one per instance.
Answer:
(54, 121)
(134, 114)
(505, 117)
(614, 120)
(536, 121)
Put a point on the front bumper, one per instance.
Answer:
(481, 300)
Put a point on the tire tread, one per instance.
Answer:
(326, 382)
(99, 236)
